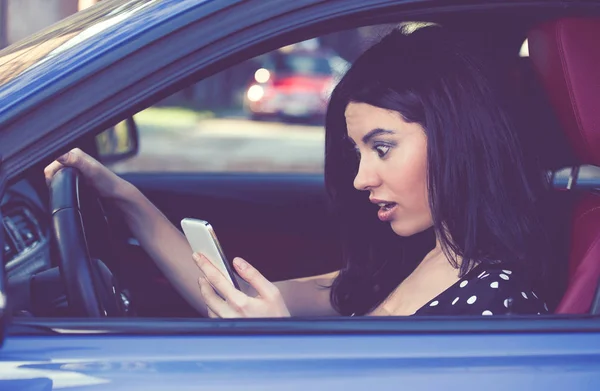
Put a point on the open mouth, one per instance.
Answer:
(385, 206)
(386, 210)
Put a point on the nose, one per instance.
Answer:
(366, 178)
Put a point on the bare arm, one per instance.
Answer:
(169, 248)
(165, 244)
(308, 296)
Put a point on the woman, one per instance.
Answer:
(429, 182)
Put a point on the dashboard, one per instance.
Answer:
(35, 286)
(27, 250)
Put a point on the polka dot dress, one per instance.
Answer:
(497, 289)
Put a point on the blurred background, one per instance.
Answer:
(265, 114)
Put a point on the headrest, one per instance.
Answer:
(566, 55)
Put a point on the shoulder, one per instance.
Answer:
(502, 289)
(492, 289)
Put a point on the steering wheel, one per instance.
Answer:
(78, 222)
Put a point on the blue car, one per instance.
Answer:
(84, 308)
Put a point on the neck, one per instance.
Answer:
(437, 254)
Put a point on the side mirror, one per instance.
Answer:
(118, 143)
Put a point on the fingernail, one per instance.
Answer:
(64, 158)
(240, 263)
(196, 257)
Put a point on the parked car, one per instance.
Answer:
(64, 86)
(291, 84)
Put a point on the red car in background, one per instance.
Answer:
(292, 84)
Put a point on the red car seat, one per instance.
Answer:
(566, 56)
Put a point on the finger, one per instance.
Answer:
(263, 287)
(71, 158)
(218, 281)
(50, 170)
(74, 158)
(78, 159)
(215, 305)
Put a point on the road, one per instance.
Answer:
(228, 145)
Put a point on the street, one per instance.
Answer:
(226, 145)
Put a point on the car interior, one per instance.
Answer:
(281, 223)
(565, 59)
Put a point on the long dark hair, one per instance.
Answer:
(483, 192)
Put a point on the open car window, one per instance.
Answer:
(265, 115)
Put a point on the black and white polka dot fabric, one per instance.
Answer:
(496, 289)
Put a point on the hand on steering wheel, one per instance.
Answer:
(90, 286)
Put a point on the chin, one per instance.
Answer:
(407, 228)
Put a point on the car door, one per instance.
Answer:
(315, 354)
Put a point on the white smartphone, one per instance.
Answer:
(202, 238)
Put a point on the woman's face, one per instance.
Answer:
(393, 166)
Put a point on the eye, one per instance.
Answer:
(382, 150)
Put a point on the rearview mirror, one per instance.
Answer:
(118, 143)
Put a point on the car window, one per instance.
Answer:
(263, 115)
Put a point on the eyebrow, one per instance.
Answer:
(375, 132)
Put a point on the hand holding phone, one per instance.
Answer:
(222, 301)
(202, 238)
